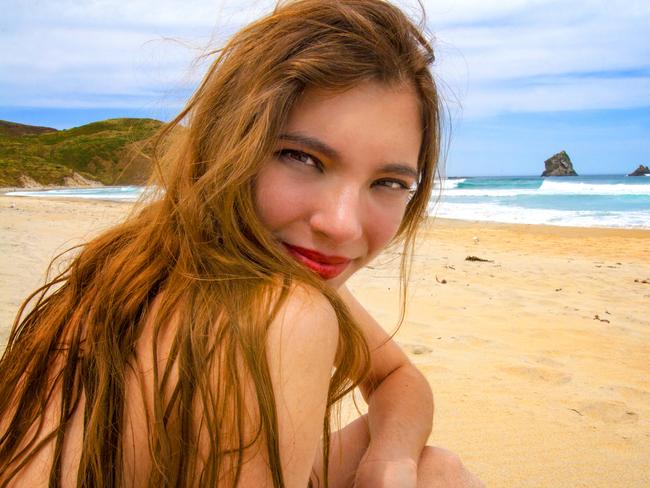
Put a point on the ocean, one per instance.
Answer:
(580, 201)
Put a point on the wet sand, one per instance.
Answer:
(539, 357)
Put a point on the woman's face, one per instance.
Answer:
(345, 164)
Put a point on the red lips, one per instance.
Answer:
(327, 267)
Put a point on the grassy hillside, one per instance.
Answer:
(16, 129)
(104, 151)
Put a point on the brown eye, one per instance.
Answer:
(293, 155)
(393, 184)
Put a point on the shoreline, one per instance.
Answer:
(567, 230)
(431, 218)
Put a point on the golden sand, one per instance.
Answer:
(539, 357)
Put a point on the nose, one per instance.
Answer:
(338, 215)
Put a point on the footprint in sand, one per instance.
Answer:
(545, 375)
(610, 412)
(546, 361)
(417, 349)
(631, 394)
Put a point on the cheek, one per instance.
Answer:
(382, 227)
(270, 210)
(276, 200)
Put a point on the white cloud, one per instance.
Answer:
(545, 55)
(561, 95)
(160, 13)
(496, 56)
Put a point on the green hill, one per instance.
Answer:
(105, 151)
(16, 129)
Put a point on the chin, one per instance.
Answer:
(340, 280)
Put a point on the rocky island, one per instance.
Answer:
(640, 171)
(559, 165)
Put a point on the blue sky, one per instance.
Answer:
(522, 79)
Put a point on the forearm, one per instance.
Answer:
(400, 416)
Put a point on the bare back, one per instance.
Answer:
(291, 351)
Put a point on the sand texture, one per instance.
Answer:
(539, 358)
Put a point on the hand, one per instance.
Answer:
(384, 474)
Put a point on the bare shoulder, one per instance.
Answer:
(306, 299)
(301, 347)
(306, 313)
(304, 334)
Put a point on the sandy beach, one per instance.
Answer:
(539, 357)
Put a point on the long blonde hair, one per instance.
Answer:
(201, 251)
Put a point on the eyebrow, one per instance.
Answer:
(312, 143)
(400, 169)
(331, 153)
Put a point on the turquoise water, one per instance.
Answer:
(582, 201)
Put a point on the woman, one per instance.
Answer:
(194, 344)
